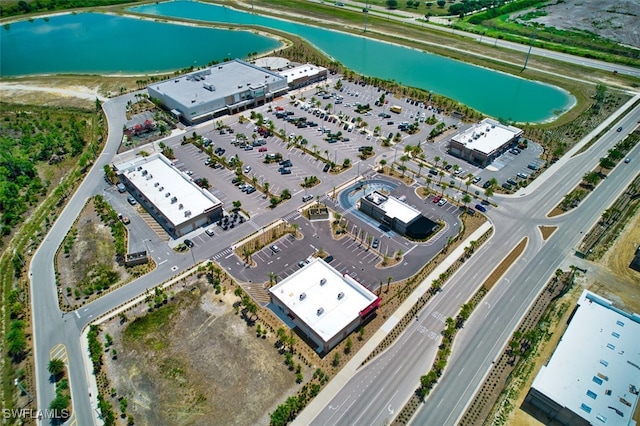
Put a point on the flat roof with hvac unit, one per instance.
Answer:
(305, 71)
(325, 304)
(484, 141)
(593, 377)
(228, 87)
(170, 192)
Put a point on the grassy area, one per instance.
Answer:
(153, 322)
(43, 209)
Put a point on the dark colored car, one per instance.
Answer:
(481, 208)
(328, 259)
(188, 243)
(326, 167)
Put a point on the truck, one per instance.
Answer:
(395, 108)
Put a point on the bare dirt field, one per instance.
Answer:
(614, 20)
(195, 361)
(614, 279)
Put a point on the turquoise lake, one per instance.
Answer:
(94, 43)
(90, 43)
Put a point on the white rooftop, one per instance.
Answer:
(215, 82)
(322, 298)
(306, 70)
(170, 190)
(393, 207)
(596, 366)
(487, 136)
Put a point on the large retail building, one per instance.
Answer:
(221, 89)
(324, 304)
(593, 377)
(171, 196)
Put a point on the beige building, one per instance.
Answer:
(484, 142)
(171, 196)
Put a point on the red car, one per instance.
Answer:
(436, 198)
(262, 149)
(279, 108)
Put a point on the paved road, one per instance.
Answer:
(52, 328)
(379, 390)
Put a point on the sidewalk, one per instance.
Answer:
(347, 372)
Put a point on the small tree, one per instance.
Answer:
(55, 367)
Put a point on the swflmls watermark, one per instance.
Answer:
(30, 413)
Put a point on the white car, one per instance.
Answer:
(442, 202)
(247, 169)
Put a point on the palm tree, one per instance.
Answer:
(466, 199)
(493, 182)
(272, 279)
(383, 163)
(444, 187)
(441, 174)
(429, 181)
(488, 192)
(265, 186)
(56, 367)
(437, 160)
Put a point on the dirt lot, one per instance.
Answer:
(614, 20)
(614, 279)
(196, 362)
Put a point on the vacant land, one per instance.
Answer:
(612, 20)
(195, 361)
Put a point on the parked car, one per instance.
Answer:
(285, 171)
(247, 169)
(121, 187)
(307, 197)
(477, 179)
(375, 243)
(188, 243)
(274, 248)
(481, 208)
(210, 232)
(522, 175)
(251, 190)
(486, 184)
(132, 200)
(442, 202)
(436, 198)
(328, 259)
(326, 167)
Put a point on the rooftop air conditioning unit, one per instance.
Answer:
(340, 295)
(180, 207)
(323, 281)
(187, 213)
(156, 184)
(303, 295)
(167, 195)
(144, 172)
(174, 200)
(161, 189)
(320, 311)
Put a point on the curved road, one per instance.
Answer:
(376, 393)
(51, 327)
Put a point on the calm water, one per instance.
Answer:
(493, 93)
(96, 43)
(90, 43)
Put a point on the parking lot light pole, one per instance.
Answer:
(192, 255)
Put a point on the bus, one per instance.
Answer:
(395, 108)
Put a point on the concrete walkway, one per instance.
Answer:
(348, 371)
